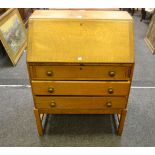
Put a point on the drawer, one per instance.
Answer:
(108, 72)
(80, 88)
(80, 102)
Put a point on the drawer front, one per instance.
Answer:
(80, 88)
(80, 72)
(80, 102)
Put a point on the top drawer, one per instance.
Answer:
(108, 72)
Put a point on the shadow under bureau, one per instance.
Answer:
(80, 62)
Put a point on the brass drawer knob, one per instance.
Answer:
(111, 73)
(49, 73)
(109, 104)
(50, 90)
(110, 91)
(52, 104)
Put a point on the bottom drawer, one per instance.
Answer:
(46, 102)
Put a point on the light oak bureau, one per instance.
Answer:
(80, 62)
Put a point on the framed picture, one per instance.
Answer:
(150, 35)
(13, 34)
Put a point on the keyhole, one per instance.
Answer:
(81, 24)
(80, 68)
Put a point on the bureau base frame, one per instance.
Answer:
(118, 117)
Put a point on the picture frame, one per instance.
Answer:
(13, 34)
(150, 37)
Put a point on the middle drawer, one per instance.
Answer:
(80, 88)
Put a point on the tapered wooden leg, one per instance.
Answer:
(38, 122)
(121, 122)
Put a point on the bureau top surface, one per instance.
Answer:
(80, 14)
(74, 36)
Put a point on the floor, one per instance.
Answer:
(17, 124)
